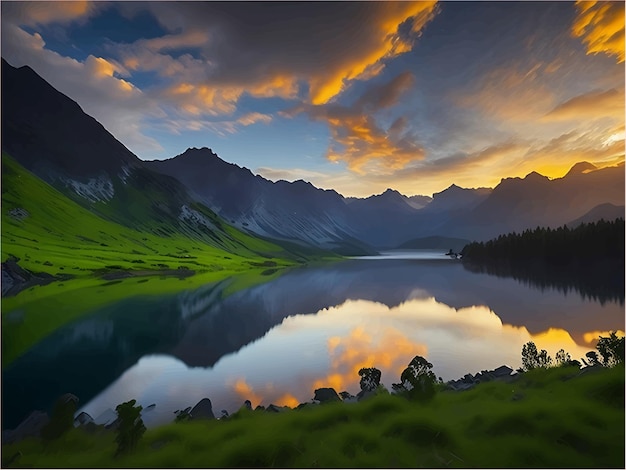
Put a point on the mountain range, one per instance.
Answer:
(205, 198)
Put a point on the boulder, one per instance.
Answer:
(82, 419)
(326, 395)
(203, 410)
(363, 394)
(276, 409)
(345, 395)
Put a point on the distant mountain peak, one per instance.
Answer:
(534, 176)
(581, 168)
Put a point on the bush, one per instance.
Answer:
(130, 428)
(532, 359)
(417, 380)
(611, 349)
(62, 419)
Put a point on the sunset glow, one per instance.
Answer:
(356, 97)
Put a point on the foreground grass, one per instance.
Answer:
(547, 418)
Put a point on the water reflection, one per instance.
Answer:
(309, 327)
(328, 348)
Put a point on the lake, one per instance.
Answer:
(307, 328)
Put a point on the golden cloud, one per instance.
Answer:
(39, 13)
(609, 103)
(601, 27)
(253, 118)
(390, 353)
(245, 391)
(369, 62)
(591, 337)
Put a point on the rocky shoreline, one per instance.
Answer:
(203, 410)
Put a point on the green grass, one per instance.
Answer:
(546, 419)
(60, 236)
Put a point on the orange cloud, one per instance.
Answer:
(357, 138)
(287, 400)
(609, 103)
(34, 13)
(244, 390)
(591, 337)
(368, 61)
(601, 27)
(253, 118)
(390, 353)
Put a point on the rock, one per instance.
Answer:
(248, 404)
(503, 371)
(276, 409)
(82, 419)
(202, 410)
(106, 418)
(346, 395)
(363, 394)
(30, 427)
(326, 395)
(259, 408)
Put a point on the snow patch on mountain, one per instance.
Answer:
(126, 171)
(96, 189)
(190, 215)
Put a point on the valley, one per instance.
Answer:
(358, 234)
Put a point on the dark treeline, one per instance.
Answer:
(588, 258)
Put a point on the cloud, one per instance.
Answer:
(358, 139)
(514, 92)
(253, 118)
(596, 104)
(42, 13)
(245, 391)
(265, 51)
(391, 352)
(601, 27)
(95, 83)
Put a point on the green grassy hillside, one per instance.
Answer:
(50, 233)
(551, 418)
(60, 235)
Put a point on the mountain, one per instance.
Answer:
(517, 204)
(605, 211)
(456, 198)
(280, 210)
(49, 135)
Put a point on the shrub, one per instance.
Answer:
(130, 428)
(533, 359)
(611, 349)
(417, 380)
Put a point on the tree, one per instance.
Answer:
(611, 349)
(62, 419)
(130, 428)
(417, 380)
(562, 358)
(370, 379)
(533, 359)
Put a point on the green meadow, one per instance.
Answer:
(547, 418)
(101, 261)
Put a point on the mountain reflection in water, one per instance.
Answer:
(310, 327)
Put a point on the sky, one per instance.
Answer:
(352, 96)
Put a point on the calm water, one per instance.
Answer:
(309, 328)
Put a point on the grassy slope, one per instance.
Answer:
(548, 418)
(70, 237)
(61, 237)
